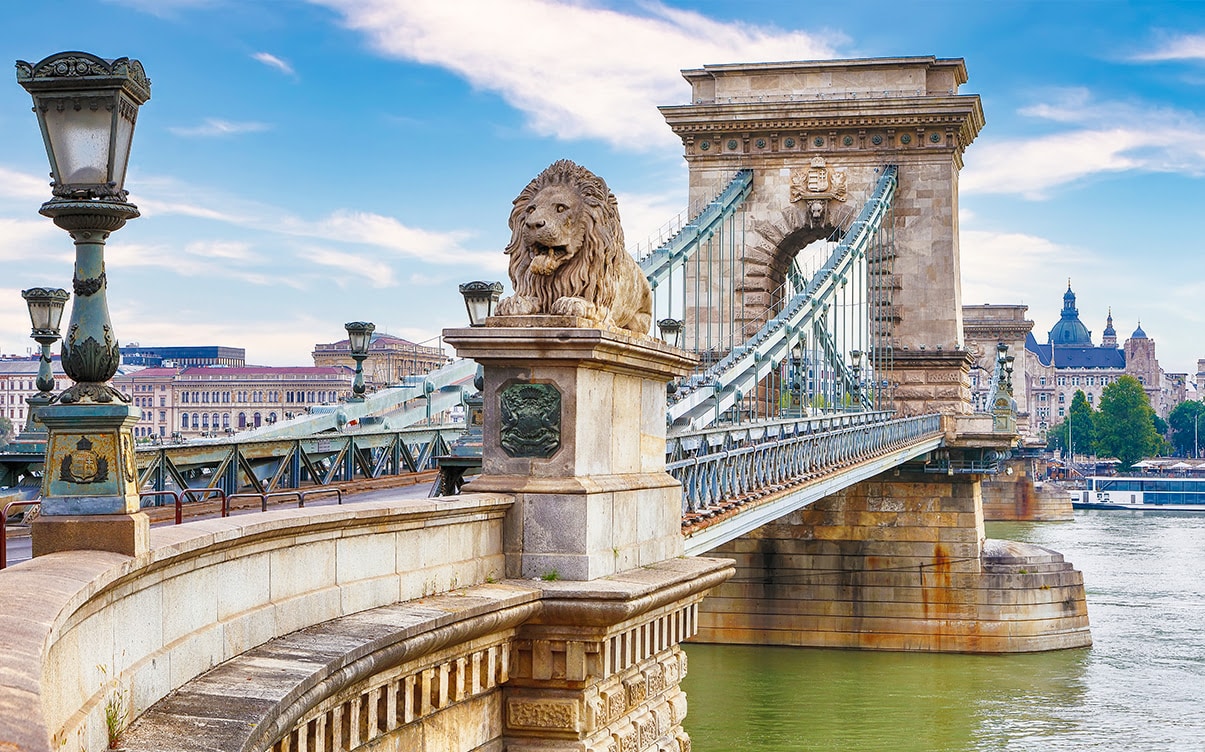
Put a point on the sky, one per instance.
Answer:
(303, 163)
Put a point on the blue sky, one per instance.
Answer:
(305, 163)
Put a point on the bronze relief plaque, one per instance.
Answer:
(531, 420)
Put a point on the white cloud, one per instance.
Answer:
(374, 271)
(1138, 139)
(218, 127)
(21, 185)
(1182, 47)
(27, 240)
(272, 61)
(1000, 267)
(576, 69)
(390, 234)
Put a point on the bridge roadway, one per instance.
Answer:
(735, 478)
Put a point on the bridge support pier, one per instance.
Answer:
(899, 562)
(1015, 496)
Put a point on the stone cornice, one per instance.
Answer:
(958, 119)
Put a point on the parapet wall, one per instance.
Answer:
(382, 625)
(83, 629)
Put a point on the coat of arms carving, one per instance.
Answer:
(531, 420)
(815, 187)
(82, 465)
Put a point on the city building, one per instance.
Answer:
(154, 357)
(1047, 376)
(219, 400)
(17, 376)
(390, 359)
(984, 327)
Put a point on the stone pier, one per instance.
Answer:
(1014, 496)
(899, 562)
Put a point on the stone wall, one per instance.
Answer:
(80, 628)
(899, 562)
(1015, 496)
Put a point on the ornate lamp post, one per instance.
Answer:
(855, 362)
(86, 108)
(359, 336)
(479, 300)
(45, 312)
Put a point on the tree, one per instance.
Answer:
(1187, 423)
(1125, 425)
(1080, 423)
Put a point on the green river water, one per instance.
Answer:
(1139, 688)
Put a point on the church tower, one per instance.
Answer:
(1110, 336)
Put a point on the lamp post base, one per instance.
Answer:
(127, 534)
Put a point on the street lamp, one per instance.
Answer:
(671, 331)
(45, 313)
(855, 362)
(359, 336)
(86, 108)
(479, 300)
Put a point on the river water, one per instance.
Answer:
(1139, 688)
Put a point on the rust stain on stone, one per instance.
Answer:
(936, 596)
(1023, 499)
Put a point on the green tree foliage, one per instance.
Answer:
(1125, 425)
(1181, 421)
(1080, 424)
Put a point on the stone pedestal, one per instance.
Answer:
(90, 483)
(574, 428)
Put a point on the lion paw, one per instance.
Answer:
(578, 307)
(517, 305)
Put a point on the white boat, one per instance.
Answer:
(1141, 492)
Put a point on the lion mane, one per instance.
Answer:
(587, 272)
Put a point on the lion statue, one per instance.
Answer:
(567, 256)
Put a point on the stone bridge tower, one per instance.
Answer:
(815, 135)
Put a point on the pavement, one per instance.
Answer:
(20, 547)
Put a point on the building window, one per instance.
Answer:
(1061, 412)
(1062, 381)
(1091, 398)
(184, 420)
(1062, 399)
(1075, 381)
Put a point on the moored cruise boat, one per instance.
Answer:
(1147, 493)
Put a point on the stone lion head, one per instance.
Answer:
(567, 254)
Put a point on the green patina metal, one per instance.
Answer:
(531, 420)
